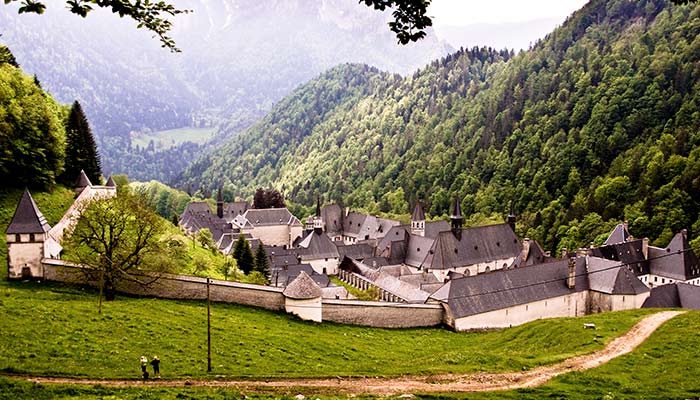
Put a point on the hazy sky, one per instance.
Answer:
(513, 24)
(468, 12)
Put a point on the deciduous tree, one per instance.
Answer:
(118, 240)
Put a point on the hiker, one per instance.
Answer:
(156, 367)
(144, 367)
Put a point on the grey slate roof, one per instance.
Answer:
(418, 249)
(506, 288)
(433, 228)
(231, 210)
(476, 245)
(418, 214)
(607, 276)
(317, 245)
(281, 276)
(302, 288)
(620, 234)
(363, 226)
(271, 216)
(110, 182)
(358, 251)
(198, 215)
(630, 253)
(82, 180)
(674, 295)
(27, 218)
(676, 261)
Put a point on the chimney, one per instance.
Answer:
(571, 276)
(564, 252)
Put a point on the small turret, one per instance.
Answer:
(220, 204)
(81, 183)
(456, 219)
(418, 220)
(511, 217)
(318, 221)
(110, 182)
(25, 236)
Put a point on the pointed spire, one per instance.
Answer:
(110, 182)
(220, 204)
(82, 181)
(456, 217)
(511, 217)
(318, 221)
(418, 214)
(27, 218)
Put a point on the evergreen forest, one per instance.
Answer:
(595, 124)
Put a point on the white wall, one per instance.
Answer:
(330, 264)
(473, 269)
(20, 255)
(570, 305)
(309, 310)
(628, 302)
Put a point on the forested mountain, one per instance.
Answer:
(238, 58)
(597, 123)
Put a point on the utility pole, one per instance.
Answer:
(208, 328)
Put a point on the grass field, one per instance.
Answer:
(163, 140)
(666, 366)
(56, 331)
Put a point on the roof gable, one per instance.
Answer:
(619, 235)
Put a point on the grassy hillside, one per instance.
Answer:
(664, 367)
(56, 331)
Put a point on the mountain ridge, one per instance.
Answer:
(555, 131)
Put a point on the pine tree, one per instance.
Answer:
(262, 264)
(243, 255)
(81, 150)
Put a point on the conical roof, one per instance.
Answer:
(27, 218)
(110, 182)
(302, 288)
(83, 180)
(418, 214)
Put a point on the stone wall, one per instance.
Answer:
(177, 287)
(382, 315)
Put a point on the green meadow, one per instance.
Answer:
(163, 140)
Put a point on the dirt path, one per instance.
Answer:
(418, 384)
